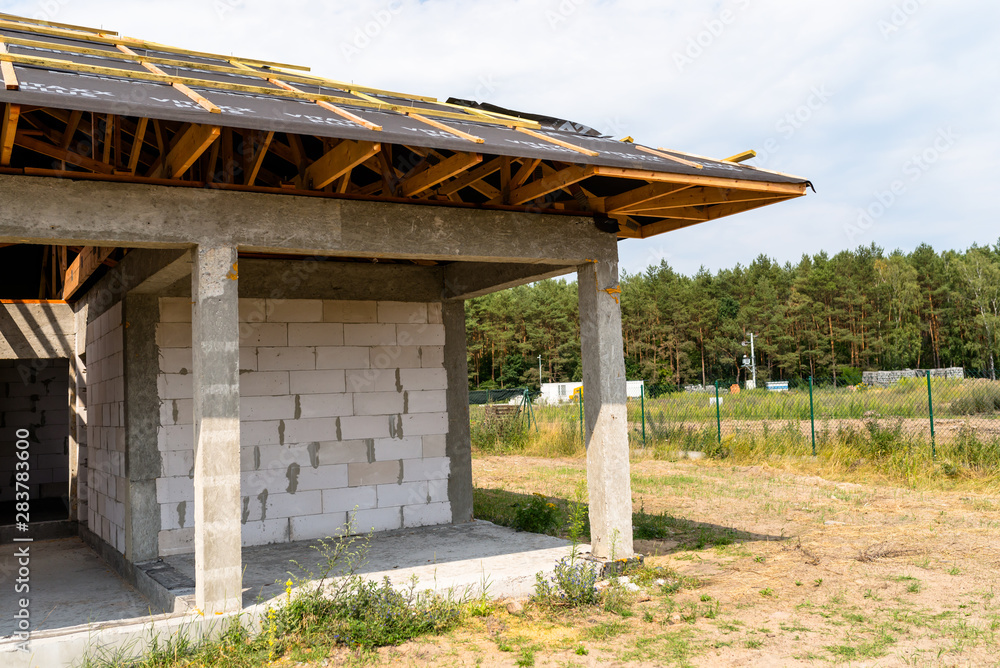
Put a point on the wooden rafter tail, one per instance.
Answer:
(640, 195)
(699, 197)
(440, 172)
(446, 128)
(558, 142)
(203, 101)
(192, 142)
(337, 162)
(667, 156)
(344, 113)
(795, 189)
(551, 183)
(8, 132)
(7, 70)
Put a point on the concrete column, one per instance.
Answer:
(77, 418)
(458, 443)
(216, 352)
(608, 481)
(143, 463)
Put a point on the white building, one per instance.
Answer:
(554, 393)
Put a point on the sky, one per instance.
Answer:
(889, 107)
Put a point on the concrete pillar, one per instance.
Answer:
(77, 418)
(216, 356)
(143, 463)
(608, 481)
(458, 443)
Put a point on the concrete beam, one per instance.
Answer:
(44, 330)
(458, 442)
(604, 394)
(216, 352)
(293, 279)
(144, 271)
(465, 280)
(60, 211)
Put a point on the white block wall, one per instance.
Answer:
(106, 428)
(343, 415)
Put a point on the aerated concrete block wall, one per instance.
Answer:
(33, 396)
(343, 414)
(106, 428)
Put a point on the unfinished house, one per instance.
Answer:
(233, 292)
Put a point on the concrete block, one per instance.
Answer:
(168, 335)
(377, 473)
(267, 408)
(434, 445)
(394, 357)
(374, 380)
(349, 311)
(177, 463)
(361, 427)
(402, 494)
(437, 468)
(437, 491)
(266, 532)
(248, 359)
(311, 527)
(431, 357)
(315, 334)
(351, 498)
(422, 424)
(290, 505)
(333, 476)
(375, 334)
(178, 541)
(175, 360)
(259, 384)
(342, 357)
(434, 313)
(176, 309)
(402, 312)
(168, 437)
(294, 310)
(343, 452)
(423, 379)
(286, 359)
(176, 411)
(325, 405)
(252, 310)
(171, 515)
(378, 403)
(172, 490)
(260, 433)
(427, 401)
(328, 381)
(429, 514)
(311, 429)
(420, 335)
(375, 519)
(388, 449)
(169, 386)
(263, 334)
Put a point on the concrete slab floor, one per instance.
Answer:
(70, 585)
(460, 557)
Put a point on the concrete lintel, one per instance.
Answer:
(216, 366)
(465, 280)
(458, 442)
(604, 396)
(295, 279)
(142, 270)
(61, 211)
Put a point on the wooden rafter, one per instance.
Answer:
(7, 70)
(343, 113)
(190, 144)
(473, 179)
(638, 196)
(82, 268)
(62, 154)
(698, 197)
(695, 179)
(558, 142)
(675, 222)
(550, 183)
(203, 101)
(136, 152)
(257, 160)
(344, 157)
(667, 156)
(8, 132)
(445, 128)
(442, 171)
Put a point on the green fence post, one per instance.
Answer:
(812, 414)
(642, 407)
(718, 412)
(930, 409)
(582, 437)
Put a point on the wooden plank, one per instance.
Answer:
(522, 174)
(343, 113)
(82, 268)
(550, 183)
(741, 157)
(7, 70)
(181, 88)
(698, 197)
(62, 154)
(696, 179)
(445, 128)
(72, 123)
(344, 157)
(667, 156)
(558, 142)
(636, 196)
(53, 24)
(674, 222)
(12, 112)
(192, 142)
(109, 127)
(471, 178)
(258, 159)
(440, 172)
(137, 143)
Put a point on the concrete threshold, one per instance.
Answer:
(459, 560)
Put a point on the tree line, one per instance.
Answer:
(827, 317)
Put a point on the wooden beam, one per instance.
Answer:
(8, 132)
(258, 159)
(558, 142)
(446, 128)
(674, 222)
(192, 142)
(7, 70)
(440, 172)
(741, 157)
(202, 101)
(549, 183)
(697, 197)
(473, 178)
(344, 157)
(83, 267)
(137, 143)
(698, 180)
(526, 171)
(343, 113)
(636, 196)
(65, 155)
